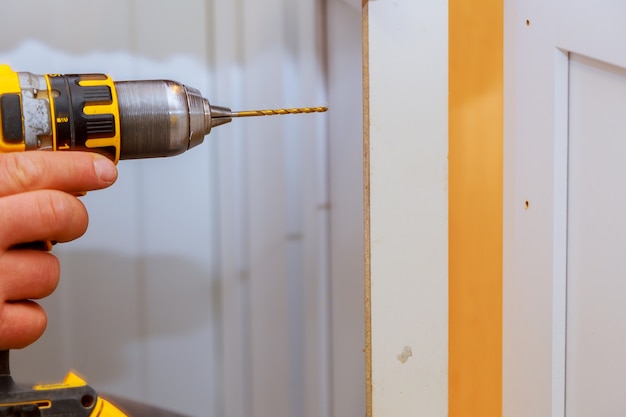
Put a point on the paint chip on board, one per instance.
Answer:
(405, 355)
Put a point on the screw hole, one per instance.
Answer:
(87, 401)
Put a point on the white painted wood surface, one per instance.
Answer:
(562, 124)
(220, 282)
(345, 127)
(596, 313)
(408, 207)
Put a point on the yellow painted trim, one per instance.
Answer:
(475, 207)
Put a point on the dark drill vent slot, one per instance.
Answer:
(101, 127)
(100, 94)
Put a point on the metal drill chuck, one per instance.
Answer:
(166, 118)
(162, 118)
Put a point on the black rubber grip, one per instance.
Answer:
(11, 110)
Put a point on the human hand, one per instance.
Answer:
(38, 203)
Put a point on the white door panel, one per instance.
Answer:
(596, 319)
(564, 110)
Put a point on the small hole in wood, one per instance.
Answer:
(526, 204)
(527, 22)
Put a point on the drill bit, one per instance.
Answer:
(221, 115)
(252, 113)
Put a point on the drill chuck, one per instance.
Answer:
(160, 118)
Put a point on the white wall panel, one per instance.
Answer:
(274, 206)
(346, 193)
(407, 206)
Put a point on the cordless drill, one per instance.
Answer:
(121, 120)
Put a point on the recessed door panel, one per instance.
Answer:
(596, 242)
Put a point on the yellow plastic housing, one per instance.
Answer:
(109, 108)
(9, 84)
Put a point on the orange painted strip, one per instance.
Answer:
(475, 207)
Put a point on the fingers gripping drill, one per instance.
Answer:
(121, 120)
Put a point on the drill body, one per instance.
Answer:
(91, 112)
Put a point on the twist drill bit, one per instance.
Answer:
(252, 113)
(221, 115)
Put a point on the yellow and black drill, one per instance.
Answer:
(121, 120)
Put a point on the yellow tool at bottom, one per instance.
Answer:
(72, 397)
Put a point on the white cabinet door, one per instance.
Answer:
(565, 131)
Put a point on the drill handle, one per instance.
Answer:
(6, 381)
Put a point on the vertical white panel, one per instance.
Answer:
(596, 320)
(233, 224)
(273, 212)
(178, 238)
(559, 239)
(262, 56)
(281, 65)
(528, 212)
(307, 171)
(346, 190)
(408, 245)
